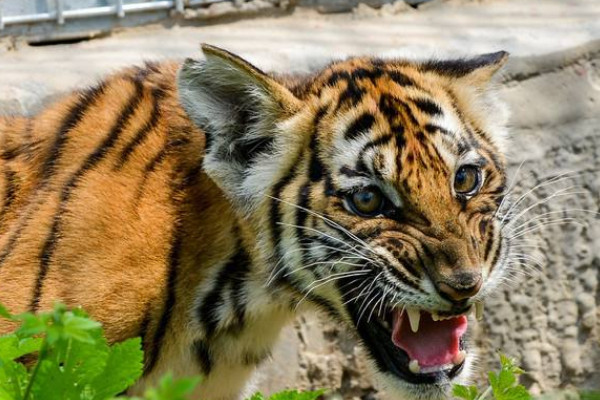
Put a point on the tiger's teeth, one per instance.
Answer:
(459, 357)
(414, 316)
(479, 311)
(414, 367)
(435, 317)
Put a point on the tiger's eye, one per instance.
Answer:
(367, 202)
(467, 180)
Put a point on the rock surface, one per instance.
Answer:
(549, 315)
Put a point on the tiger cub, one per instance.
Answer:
(201, 205)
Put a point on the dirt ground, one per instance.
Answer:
(550, 318)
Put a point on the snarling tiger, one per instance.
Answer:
(201, 205)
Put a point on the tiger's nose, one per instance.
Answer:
(460, 286)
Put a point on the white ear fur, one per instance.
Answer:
(239, 108)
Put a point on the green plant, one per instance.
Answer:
(504, 384)
(70, 359)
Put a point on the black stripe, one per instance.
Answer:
(170, 299)
(12, 186)
(315, 169)
(428, 107)
(91, 161)
(496, 256)
(432, 129)
(338, 76)
(351, 173)
(203, 356)
(401, 79)
(144, 325)
(490, 242)
(380, 141)
(75, 114)
(238, 273)
(150, 167)
(301, 216)
(233, 273)
(352, 95)
(392, 108)
(402, 277)
(360, 125)
(140, 135)
(364, 73)
(248, 149)
(274, 214)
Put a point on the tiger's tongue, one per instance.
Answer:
(436, 343)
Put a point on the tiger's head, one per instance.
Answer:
(373, 188)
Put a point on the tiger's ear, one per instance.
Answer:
(239, 108)
(477, 70)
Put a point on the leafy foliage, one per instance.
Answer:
(63, 355)
(290, 395)
(503, 384)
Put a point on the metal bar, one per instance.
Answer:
(191, 3)
(1, 19)
(59, 12)
(179, 6)
(120, 11)
(89, 12)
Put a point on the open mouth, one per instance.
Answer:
(415, 345)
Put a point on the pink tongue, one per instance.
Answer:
(436, 343)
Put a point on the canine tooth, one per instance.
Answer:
(414, 316)
(479, 311)
(459, 357)
(413, 366)
(435, 317)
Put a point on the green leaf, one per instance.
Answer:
(171, 389)
(11, 347)
(465, 392)
(123, 367)
(4, 312)
(31, 325)
(13, 380)
(590, 395)
(295, 395)
(78, 328)
(257, 396)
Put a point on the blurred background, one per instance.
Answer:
(549, 317)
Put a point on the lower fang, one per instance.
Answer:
(413, 366)
(459, 357)
(479, 311)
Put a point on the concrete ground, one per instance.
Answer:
(306, 39)
(550, 318)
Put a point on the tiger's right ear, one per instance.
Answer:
(238, 107)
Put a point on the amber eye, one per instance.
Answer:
(366, 202)
(467, 180)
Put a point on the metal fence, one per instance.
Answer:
(49, 17)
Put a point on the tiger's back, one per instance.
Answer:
(85, 186)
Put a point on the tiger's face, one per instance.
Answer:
(374, 188)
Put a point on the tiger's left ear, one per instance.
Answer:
(478, 71)
(239, 108)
